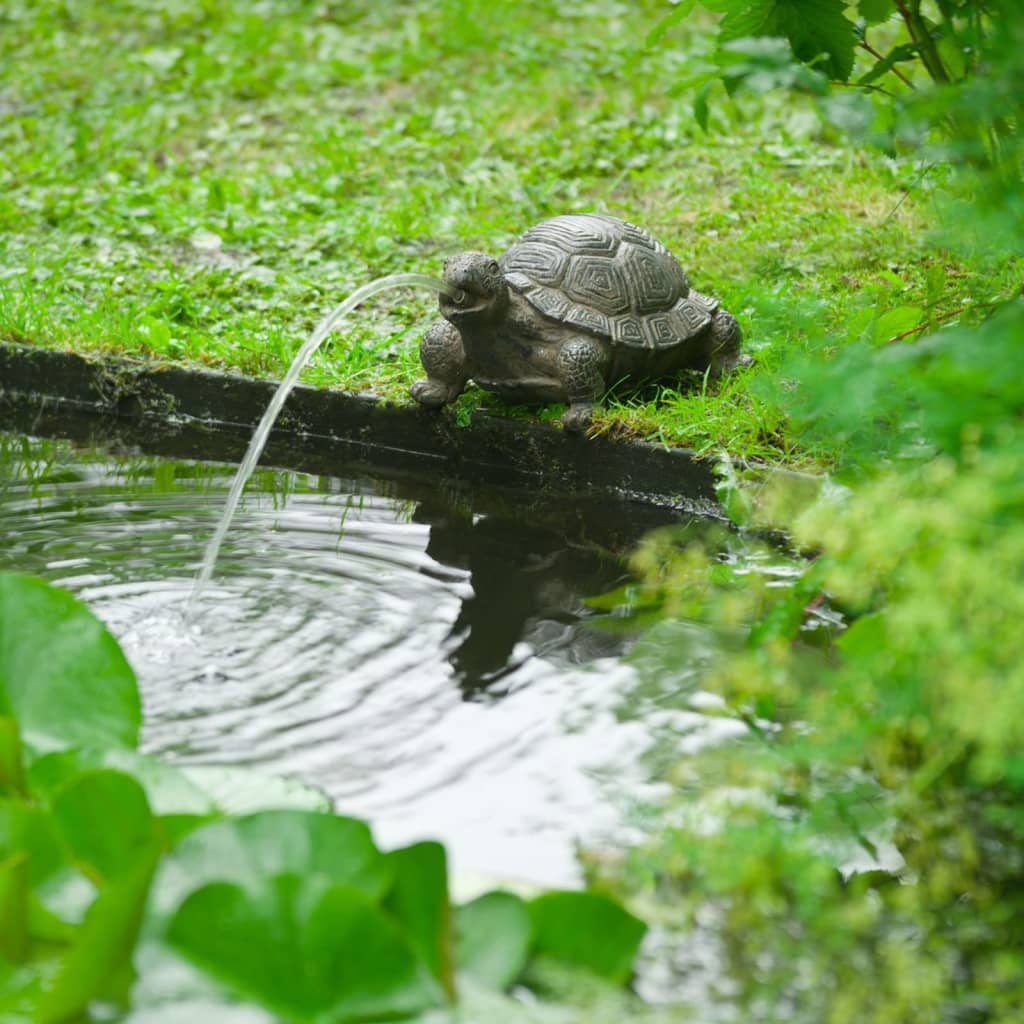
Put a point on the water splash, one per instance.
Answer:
(259, 438)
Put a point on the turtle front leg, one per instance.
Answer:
(724, 344)
(444, 359)
(581, 366)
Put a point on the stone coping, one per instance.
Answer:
(337, 431)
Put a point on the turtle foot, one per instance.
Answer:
(433, 394)
(577, 418)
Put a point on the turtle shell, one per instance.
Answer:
(608, 277)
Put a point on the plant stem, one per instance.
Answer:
(895, 70)
(919, 33)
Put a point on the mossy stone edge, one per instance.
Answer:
(332, 427)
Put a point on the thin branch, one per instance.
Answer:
(908, 189)
(895, 70)
(926, 325)
(919, 34)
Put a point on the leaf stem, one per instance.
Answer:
(895, 70)
(919, 34)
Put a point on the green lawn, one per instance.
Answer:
(200, 181)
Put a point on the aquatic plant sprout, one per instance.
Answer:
(291, 378)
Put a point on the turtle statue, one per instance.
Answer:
(578, 303)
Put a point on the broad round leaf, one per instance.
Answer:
(419, 900)
(492, 939)
(105, 820)
(588, 930)
(62, 675)
(309, 950)
(249, 850)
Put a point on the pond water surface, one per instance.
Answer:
(426, 658)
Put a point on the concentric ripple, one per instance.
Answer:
(433, 670)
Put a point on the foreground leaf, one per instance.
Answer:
(588, 930)
(419, 899)
(248, 850)
(99, 964)
(492, 939)
(104, 818)
(308, 950)
(14, 908)
(818, 30)
(12, 775)
(62, 675)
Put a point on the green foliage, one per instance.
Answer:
(51, 650)
(493, 934)
(817, 30)
(306, 948)
(206, 198)
(589, 930)
(860, 854)
(105, 852)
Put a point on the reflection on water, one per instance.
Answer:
(424, 654)
(432, 666)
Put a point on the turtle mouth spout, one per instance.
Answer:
(462, 302)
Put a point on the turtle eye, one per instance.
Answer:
(493, 266)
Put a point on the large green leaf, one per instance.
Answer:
(14, 905)
(12, 772)
(194, 790)
(307, 949)
(62, 675)
(248, 850)
(818, 30)
(419, 899)
(492, 939)
(875, 11)
(99, 964)
(588, 930)
(104, 818)
(28, 829)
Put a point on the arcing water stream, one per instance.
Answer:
(291, 378)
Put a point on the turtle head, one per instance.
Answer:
(484, 293)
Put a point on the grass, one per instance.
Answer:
(199, 182)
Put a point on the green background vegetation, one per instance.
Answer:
(202, 181)
(859, 856)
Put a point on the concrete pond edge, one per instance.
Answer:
(350, 429)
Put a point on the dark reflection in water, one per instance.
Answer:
(526, 584)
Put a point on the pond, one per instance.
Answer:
(422, 652)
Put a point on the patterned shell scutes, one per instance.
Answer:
(609, 277)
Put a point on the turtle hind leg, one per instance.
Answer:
(444, 359)
(581, 366)
(723, 344)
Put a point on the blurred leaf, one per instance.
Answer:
(586, 929)
(12, 774)
(814, 28)
(14, 904)
(104, 818)
(898, 54)
(894, 322)
(875, 11)
(62, 675)
(419, 900)
(167, 788)
(311, 951)
(99, 964)
(492, 939)
(700, 106)
(676, 15)
(249, 850)
(28, 829)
